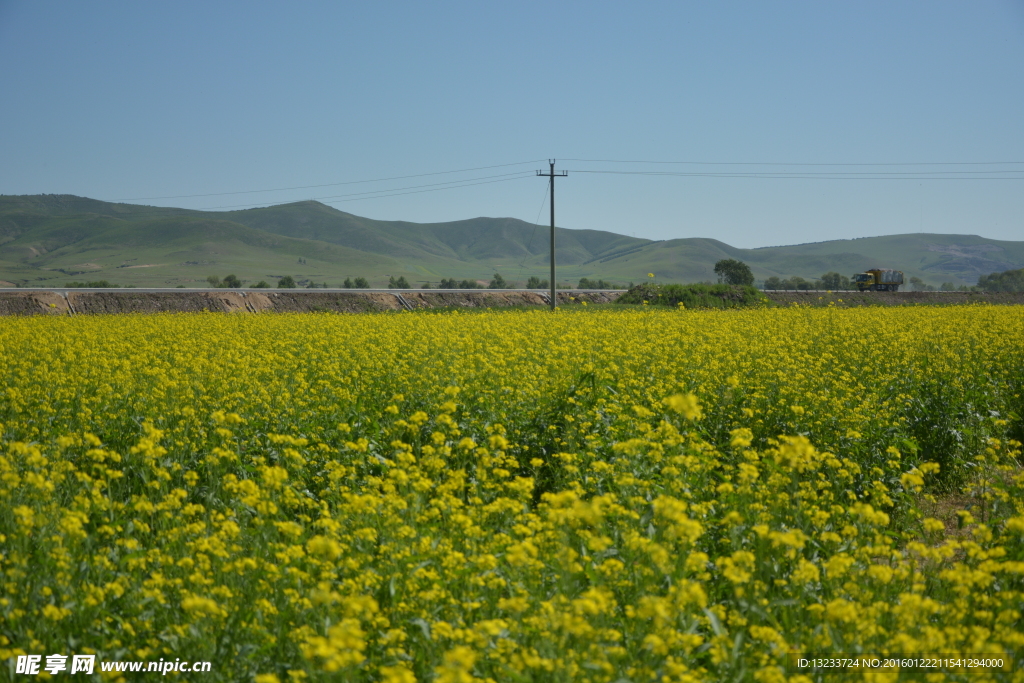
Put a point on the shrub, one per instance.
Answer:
(99, 284)
(693, 296)
(536, 283)
(586, 283)
(733, 272)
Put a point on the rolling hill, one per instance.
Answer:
(47, 240)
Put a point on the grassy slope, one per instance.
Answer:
(91, 239)
(477, 239)
(934, 258)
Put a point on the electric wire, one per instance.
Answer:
(437, 189)
(348, 182)
(805, 175)
(536, 224)
(339, 197)
(333, 199)
(782, 163)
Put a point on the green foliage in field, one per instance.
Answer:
(94, 283)
(587, 283)
(693, 296)
(629, 494)
(1007, 281)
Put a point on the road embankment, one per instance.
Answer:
(113, 301)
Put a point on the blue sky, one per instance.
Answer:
(128, 100)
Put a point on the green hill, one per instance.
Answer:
(47, 240)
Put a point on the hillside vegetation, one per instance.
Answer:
(48, 240)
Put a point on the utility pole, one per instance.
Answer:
(551, 174)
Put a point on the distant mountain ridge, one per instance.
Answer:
(47, 240)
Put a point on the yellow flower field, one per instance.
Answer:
(611, 495)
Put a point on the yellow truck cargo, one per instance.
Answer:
(879, 280)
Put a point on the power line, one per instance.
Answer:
(536, 224)
(437, 189)
(393, 192)
(779, 163)
(349, 182)
(822, 173)
(455, 183)
(808, 175)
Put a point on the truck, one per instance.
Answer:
(879, 280)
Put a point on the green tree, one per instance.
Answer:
(733, 272)
(535, 283)
(796, 283)
(361, 283)
(498, 282)
(287, 282)
(213, 280)
(400, 283)
(262, 284)
(231, 282)
(831, 280)
(773, 283)
(348, 283)
(95, 284)
(587, 283)
(1006, 281)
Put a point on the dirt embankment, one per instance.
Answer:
(230, 301)
(155, 302)
(428, 299)
(851, 299)
(33, 303)
(502, 299)
(44, 302)
(310, 302)
(571, 297)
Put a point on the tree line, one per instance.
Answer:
(729, 271)
(830, 281)
(1006, 281)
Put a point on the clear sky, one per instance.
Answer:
(132, 100)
